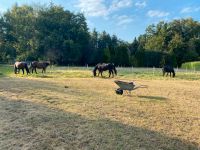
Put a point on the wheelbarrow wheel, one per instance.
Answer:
(119, 91)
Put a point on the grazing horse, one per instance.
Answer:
(21, 65)
(40, 65)
(103, 67)
(168, 69)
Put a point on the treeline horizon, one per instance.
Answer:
(52, 33)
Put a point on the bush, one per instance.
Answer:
(191, 65)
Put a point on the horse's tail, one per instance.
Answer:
(114, 68)
(95, 70)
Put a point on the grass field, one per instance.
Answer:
(67, 108)
(195, 65)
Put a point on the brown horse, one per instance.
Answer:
(21, 65)
(40, 65)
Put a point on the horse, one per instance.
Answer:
(168, 69)
(103, 67)
(21, 65)
(40, 65)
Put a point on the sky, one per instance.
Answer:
(125, 18)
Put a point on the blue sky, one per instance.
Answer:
(125, 18)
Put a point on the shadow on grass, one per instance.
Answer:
(157, 98)
(16, 84)
(104, 77)
(26, 125)
(42, 76)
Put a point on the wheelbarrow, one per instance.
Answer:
(127, 86)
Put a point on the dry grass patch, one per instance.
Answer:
(42, 112)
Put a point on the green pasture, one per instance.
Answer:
(86, 72)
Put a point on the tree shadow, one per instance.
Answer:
(26, 125)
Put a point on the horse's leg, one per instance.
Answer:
(101, 73)
(109, 73)
(32, 70)
(17, 71)
(44, 70)
(23, 70)
(35, 70)
(112, 73)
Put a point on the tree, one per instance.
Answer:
(122, 55)
(106, 55)
(134, 46)
(63, 35)
(21, 21)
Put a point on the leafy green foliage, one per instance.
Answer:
(51, 33)
(179, 38)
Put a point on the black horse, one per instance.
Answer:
(168, 69)
(40, 65)
(21, 65)
(104, 67)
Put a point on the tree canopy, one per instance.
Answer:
(52, 33)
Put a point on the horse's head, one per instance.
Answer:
(94, 73)
(15, 68)
(95, 70)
